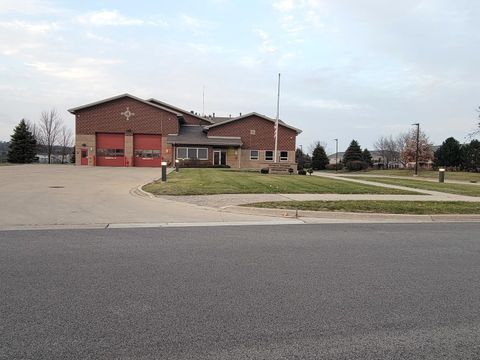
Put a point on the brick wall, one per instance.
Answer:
(264, 134)
(107, 117)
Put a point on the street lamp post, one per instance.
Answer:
(416, 150)
(336, 155)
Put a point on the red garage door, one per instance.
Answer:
(110, 149)
(147, 150)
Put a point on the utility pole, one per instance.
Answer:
(416, 151)
(336, 155)
(203, 101)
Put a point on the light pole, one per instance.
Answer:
(336, 155)
(416, 150)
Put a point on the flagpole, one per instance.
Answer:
(276, 119)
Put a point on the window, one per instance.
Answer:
(253, 154)
(110, 152)
(147, 154)
(283, 155)
(182, 153)
(269, 155)
(203, 154)
(192, 153)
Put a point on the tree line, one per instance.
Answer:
(48, 133)
(398, 151)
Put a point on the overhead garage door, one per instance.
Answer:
(147, 150)
(110, 149)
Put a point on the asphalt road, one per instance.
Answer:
(359, 291)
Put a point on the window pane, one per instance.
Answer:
(283, 155)
(203, 154)
(268, 155)
(253, 154)
(156, 153)
(118, 152)
(147, 154)
(192, 153)
(182, 153)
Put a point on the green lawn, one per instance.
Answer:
(460, 189)
(381, 206)
(225, 181)
(452, 175)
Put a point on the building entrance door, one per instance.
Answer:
(84, 157)
(219, 157)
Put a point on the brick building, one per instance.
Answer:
(129, 131)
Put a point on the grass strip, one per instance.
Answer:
(459, 189)
(377, 206)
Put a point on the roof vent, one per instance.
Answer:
(213, 114)
(240, 114)
(230, 115)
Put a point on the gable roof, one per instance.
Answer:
(164, 104)
(253, 114)
(75, 109)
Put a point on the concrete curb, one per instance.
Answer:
(351, 216)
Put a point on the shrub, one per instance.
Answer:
(356, 165)
(310, 171)
(290, 171)
(264, 170)
(332, 166)
(302, 172)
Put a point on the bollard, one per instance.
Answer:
(164, 171)
(177, 163)
(441, 175)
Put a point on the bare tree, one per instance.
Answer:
(388, 149)
(475, 133)
(49, 130)
(66, 141)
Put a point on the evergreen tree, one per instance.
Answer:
(367, 157)
(471, 156)
(353, 152)
(319, 157)
(449, 153)
(22, 149)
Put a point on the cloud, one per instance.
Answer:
(284, 5)
(114, 18)
(34, 28)
(27, 7)
(196, 25)
(18, 35)
(266, 45)
(81, 69)
(331, 104)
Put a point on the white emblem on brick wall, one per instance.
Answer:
(127, 113)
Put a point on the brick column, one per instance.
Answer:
(129, 161)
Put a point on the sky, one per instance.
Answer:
(349, 69)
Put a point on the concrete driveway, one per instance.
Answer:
(45, 195)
